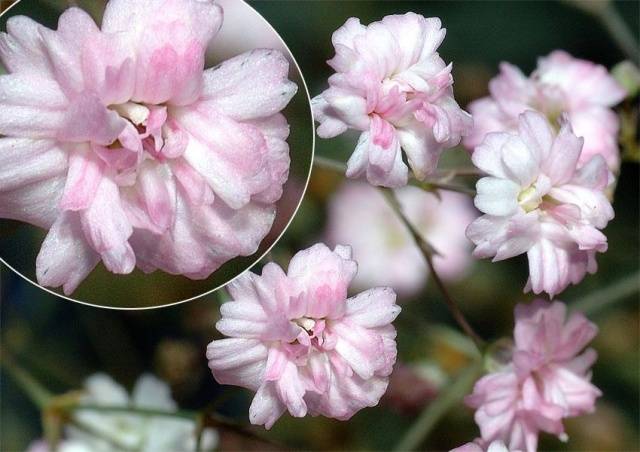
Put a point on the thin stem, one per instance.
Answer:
(34, 390)
(619, 31)
(435, 410)
(436, 182)
(618, 291)
(427, 252)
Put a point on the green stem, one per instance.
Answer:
(619, 31)
(34, 390)
(427, 251)
(434, 183)
(446, 400)
(616, 292)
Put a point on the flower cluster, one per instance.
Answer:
(536, 200)
(391, 84)
(98, 431)
(546, 381)
(118, 143)
(395, 260)
(579, 89)
(301, 344)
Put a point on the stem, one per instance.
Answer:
(433, 412)
(619, 31)
(34, 390)
(618, 291)
(427, 252)
(435, 183)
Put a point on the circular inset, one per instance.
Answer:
(130, 178)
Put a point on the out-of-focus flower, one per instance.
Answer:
(118, 143)
(391, 84)
(395, 260)
(413, 386)
(478, 446)
(301, 344)
(561, 84)
(547, 381)
(537, 201)
(110, 432)
(66, 445)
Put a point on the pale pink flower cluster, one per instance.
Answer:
(391, 84)
(547, 380)
(118, 143)
(561, 84)
(385, 251)
(537, 200)
(301, 344)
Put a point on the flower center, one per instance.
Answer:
(306, 323)
(529, 198)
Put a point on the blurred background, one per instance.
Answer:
(61, 342)
(20, 242)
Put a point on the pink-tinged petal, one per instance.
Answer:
(599, 127)
(87, 119)
(24, 161)
(563, 158)
(195, 187)
(536, 133)
(251, 85)
(83, 178)
(373, 308)
(65, 258)
(170, 38)
(237, 361)
(520, 163)
(107, 228)
(423, 152)
(383, 167)
(21, 47)
(290, 389)
(497, 196)
(228, 154)
(329, 126)
(548, 268)
(347, 106)
(487, 118)
(361, 348)
(35, 203)
(593, 174)
(511, 89)
(266, 408)
(488, 155)
(158, 193)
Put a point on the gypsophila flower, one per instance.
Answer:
(561, 84)
(547, 381)
(120, 145)
(537, 201)
(391, 84)
(98, 431)
(477, 446)
(301, 344)
(395, 260)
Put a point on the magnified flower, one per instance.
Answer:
(537, 201)
(395, 260)
(391, 84)
(548, 380)
(97, 431)
(120, 145)
(561, 84)
(301, 344)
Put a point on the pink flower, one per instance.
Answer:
(537, 201)
(561, 84)
(477, 446)
(395, 260)
(301, 344)
(547, 381)
(391, 84)
(120, 145)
